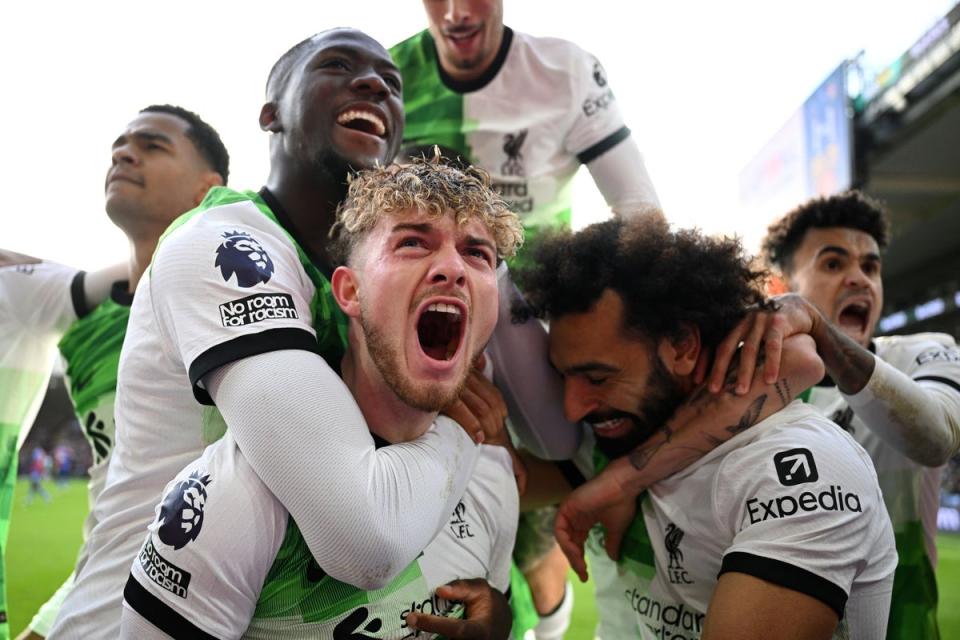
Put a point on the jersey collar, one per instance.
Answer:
(285, 222)
(459, 86)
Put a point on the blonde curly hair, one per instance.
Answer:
(431, 186)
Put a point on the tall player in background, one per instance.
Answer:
(162, 165)
(530, 111)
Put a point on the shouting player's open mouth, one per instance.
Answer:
(440, 328)
(364, 119)
(854, 317)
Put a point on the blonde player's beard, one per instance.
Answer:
(386, 357)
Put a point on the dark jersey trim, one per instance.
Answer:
(77, 296)
(319, 262)
(243, 347)
(468, 86)
(786, 575)
(160, 614)
(570, 473)
(597, 150)
(946, 381)
(120, 293)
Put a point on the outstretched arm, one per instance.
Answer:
(363, 512)
(916, 415)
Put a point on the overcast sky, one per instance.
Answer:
(703, 86)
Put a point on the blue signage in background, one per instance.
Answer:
(811, 155)
(827, 148)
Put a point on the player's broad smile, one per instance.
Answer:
(363, 124)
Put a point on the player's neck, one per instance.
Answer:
(141, 253)
(311, 205)
(385, 413)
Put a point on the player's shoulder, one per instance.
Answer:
(407, 48)
(905, 351)
(492, 481)
(549, 46)
(231, 230)
(799, 435)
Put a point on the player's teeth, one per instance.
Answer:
(441, 307)
(347, 116)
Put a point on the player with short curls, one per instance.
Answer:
(417, 248)
(898, 395)
(778, 532)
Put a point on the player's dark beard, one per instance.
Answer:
(387, 361)
(663, 396)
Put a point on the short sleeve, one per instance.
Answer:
(43, 297)
(805, 511)
(227, 285)
(937, 361)
(598, 125)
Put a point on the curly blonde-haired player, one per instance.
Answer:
(418, 248)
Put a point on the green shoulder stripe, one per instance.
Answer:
(434, 112)
(91, 350)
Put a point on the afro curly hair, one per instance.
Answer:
(666, 279)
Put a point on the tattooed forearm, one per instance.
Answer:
(783, 390)
(749, 418)
(849, 364)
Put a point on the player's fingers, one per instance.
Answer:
(459, 413)
(489, 393)
(452, 628)
(567, 538)
(703, 363)
(773, 350)
(749, 353)
(724, 352)
(489, 419)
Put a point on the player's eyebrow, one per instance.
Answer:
(474, 241)
(419, 227)
(590, 367)
(832, 249)
(142, 136)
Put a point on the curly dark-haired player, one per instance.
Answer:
(899, 396)
(779, 532)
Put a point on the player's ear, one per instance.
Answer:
(270, 118)
(680, 353)
(346, 290)
(776, 283)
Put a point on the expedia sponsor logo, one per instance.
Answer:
(666, 620)
(165, 574)
(795, 466)
(595, 104)
(832, 499)
(939, 355)
(260, 306)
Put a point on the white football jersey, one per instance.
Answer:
(793, 501)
